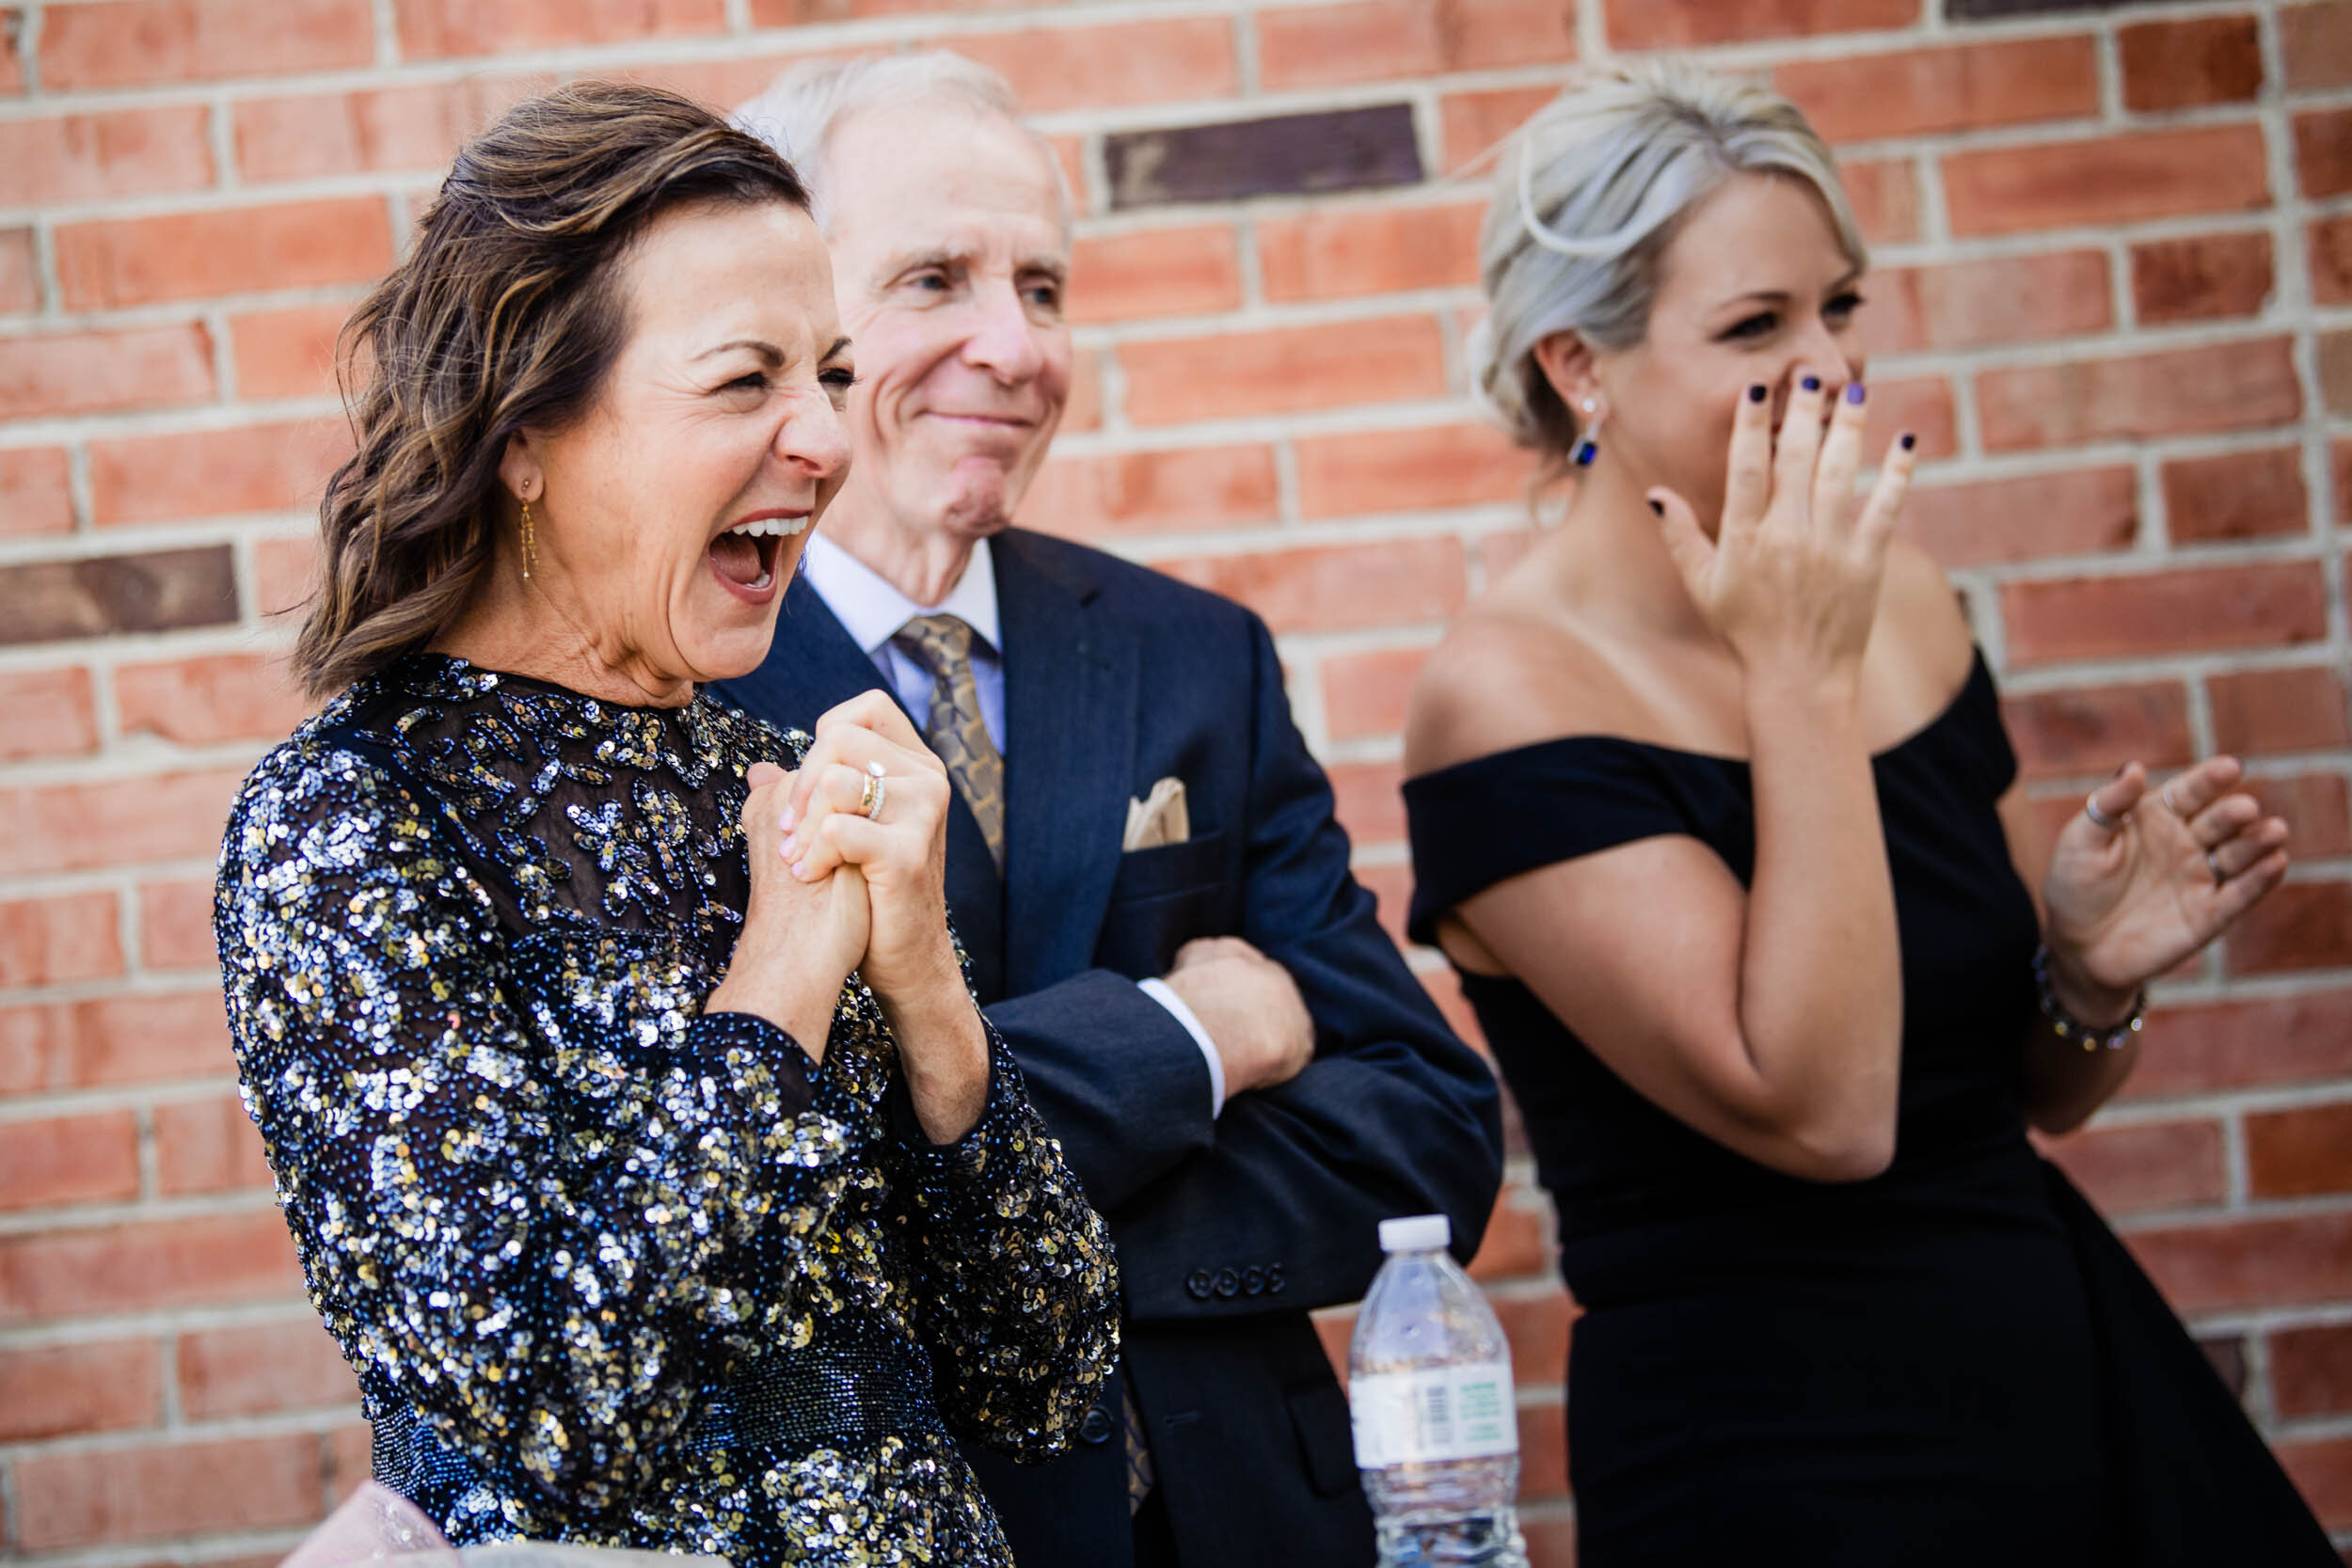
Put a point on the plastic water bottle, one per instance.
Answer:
(1435, 1422)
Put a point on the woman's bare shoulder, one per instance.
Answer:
(1503, 676)
(1923, 622)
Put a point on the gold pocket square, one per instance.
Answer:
(1159, 818)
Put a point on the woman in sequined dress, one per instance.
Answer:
(644, 1150)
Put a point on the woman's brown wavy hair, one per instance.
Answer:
(505, 316)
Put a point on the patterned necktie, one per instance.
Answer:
(953, 728)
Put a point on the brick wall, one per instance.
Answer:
(2115, 297)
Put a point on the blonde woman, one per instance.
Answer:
(1712, 808)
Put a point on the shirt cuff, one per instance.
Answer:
(1158, 992)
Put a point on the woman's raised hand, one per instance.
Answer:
(2179, 865)
(800, 939)
(1794, 569)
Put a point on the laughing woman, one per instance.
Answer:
(646, 1152)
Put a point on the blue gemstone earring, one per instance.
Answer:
(1586, 449)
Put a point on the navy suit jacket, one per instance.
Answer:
(1230, 1229)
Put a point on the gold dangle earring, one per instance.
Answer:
(530, 547)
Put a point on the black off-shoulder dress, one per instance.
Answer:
(611, 1269)
(1955, 1363)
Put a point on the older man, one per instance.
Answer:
(1142, 860)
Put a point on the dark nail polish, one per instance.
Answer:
(1658, 507)
(1909, 440)
(1757, 393)
(1854, 392)
(1811, 384)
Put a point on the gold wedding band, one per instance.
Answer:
(869, 800)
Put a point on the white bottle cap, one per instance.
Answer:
(1415, 1233)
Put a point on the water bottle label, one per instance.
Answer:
(1440, 1412)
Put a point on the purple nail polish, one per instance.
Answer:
(1909, 440)
(1757, 393)
(1658, 507)
(1811, 384)
(1854, 392)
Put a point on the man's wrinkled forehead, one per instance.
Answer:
(898, 167)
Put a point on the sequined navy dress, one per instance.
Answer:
(611, 1269)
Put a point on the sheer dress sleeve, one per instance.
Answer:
(539, 1240)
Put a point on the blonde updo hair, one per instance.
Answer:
(1587, 196)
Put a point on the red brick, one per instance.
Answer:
(1284, 370)
(1148, 492)
(11, 81)
(185, 1262)
(1336, 587)
(2199, 1048)
(120, 1039)
(61, 937)
(83, 373)
(2238, 495)
(2300, 925)
(194, 255)
(253, 1370)
(2223, 386)
(19, 290)
(2328, 246)
(36, 496)
(2081, 511)
(242, 1483)
(1921, 404)
(129, 42)
(2179, 64)
(1517, 1243)
(1390, 885)
(216, 697)
(2340, 465)
(2070, 733)
(1364, 694)
(2321, 1468)
(2256, 711)
(1550, 1532)
(1995, 300)
(2323, 152)
(68, 1160)
(1537, 1327)
(2316, 41)
(78, 158)
(1915, 92)
(64, 1391)
(1370, 40)
(288, 353)
(1085, 409)
(2311, 1370)
(2335, 371)
(2200, 277)
(2101, 179)
(46, 713)
(1116, 65)
(721, 84)
(73, 826)
(1475, 123)
(1650, 25)
(396, 130)
(2146, 1165)
(206, 1145)
(284, 574)
(1542, 1449)
(176, 926)
(2174, 611)
(2249, 1262)
(1342, 253)
(1154, 272)
(1884, 195)
(439, 29)
(2317, 809)
(1402, 470)
(2300, 1152)
(1368, 802)
(262, 468)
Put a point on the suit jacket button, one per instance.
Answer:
(1228, 1283)
(1202, 1283)
(1095, 1427)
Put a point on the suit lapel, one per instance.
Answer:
(815, 664)
(1070, 744)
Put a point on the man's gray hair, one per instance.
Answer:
(1587, 196)
(800, 110)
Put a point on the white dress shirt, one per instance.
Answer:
(873, 610)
